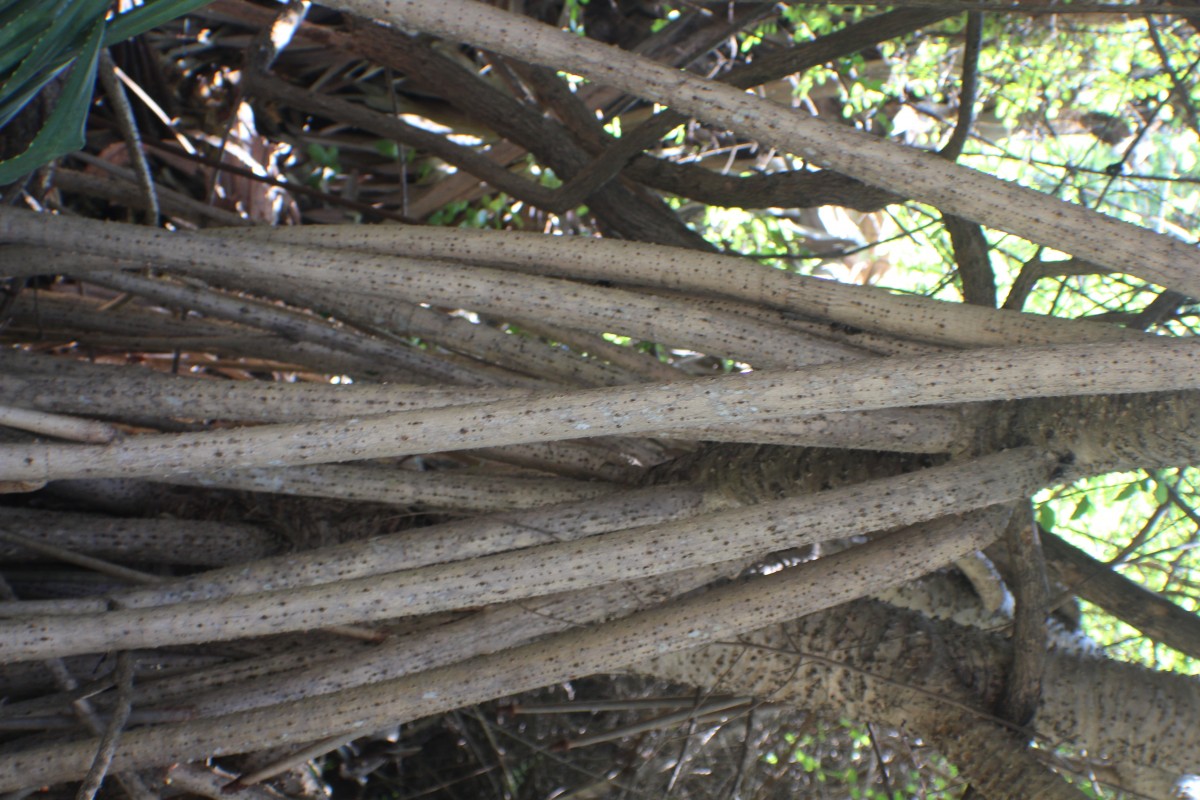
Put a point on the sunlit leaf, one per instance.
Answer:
(1045, 516)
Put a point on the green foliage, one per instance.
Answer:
(491, 211)
(63, 129)
(323, 156)
(858, 774)
(1079, 65)
(39, 41)
(1145, 526)
(388, 148)
(324, 164)
(574, 15)
(495, 211)
(810, 22)
(33, 40)
(446, 215)
(1087, 76)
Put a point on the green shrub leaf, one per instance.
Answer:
(63, 131)
(39, 40)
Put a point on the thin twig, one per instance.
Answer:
(681, 759)
(596, 706)
(1179, 87)
(79, 559)
(883, 770)
(695, 711)
(211, 782)
(112, 734)
(747, 757)
(291, 186)
(128, 125)
(292, 759)
(130, 781)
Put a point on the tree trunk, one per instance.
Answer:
(790, 531)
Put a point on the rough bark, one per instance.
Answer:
(870, 661)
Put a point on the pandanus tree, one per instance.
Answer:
(614, 453)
